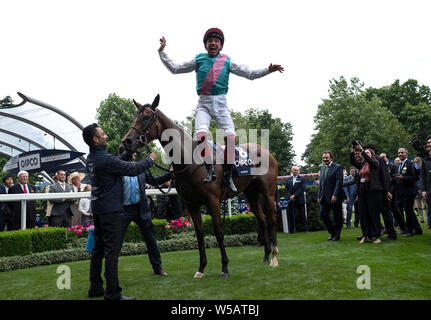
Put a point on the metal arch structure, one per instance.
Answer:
(36, 125)
(50, 107)
(35, 131)
(35, 143)
(7, 144)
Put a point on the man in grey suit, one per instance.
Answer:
(62, 209)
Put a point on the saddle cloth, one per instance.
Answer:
(243, 163)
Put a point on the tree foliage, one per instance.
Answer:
(409, 102)
(280, 134)
(6, 102)
(115, 116)
(347, 115)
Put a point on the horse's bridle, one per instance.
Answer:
(143, 135)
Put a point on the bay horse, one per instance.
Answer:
(149, 123)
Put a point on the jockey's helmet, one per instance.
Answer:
(214, 33)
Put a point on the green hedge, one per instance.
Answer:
(134, 233)
(24, 242)
(315, 222)
(15, 243)
(184, 241)
(237, 224)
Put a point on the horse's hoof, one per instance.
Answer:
(265, 260)
(198, 275)
(274, 264)
(224, 275)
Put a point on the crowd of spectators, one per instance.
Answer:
(69, 212)
(400, 207)
(377, 189)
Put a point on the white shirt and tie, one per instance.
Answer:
(24, 188)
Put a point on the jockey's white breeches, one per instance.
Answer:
(213, 107)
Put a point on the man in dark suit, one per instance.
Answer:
(62, 209)
(136, 209)
(406, 185)
(331, 195)
(3, 209)
(393, 206)
(8, 182)
(426, 177)
(385, 196)
(295, 188)
(15, 207)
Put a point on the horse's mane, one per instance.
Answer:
(177, 125)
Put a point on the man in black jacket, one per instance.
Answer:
(393, 206)
(4, 209)
(295, 188)
(331, 195)
(426, 177)
(406, 185)
(106, 172)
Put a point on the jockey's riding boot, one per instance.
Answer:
(211, 176)
(228, 177)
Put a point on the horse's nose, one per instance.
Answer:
(127, 142)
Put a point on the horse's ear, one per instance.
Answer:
(137, 104)
(155, 103)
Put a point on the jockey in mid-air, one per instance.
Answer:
(212, 77)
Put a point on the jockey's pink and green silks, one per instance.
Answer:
(212, 74)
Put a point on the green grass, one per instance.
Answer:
(310, 268)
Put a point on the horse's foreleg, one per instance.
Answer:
(214, 208)
(197, 222)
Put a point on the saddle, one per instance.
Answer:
(243, 163)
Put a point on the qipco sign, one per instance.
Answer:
(29, 162)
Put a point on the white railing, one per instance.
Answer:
(24, 197)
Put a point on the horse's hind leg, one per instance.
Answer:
(253, 200)
(197, 222)
(213, 206)
(272, 220)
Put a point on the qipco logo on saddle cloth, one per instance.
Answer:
(242, 162)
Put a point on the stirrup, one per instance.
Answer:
(210, 173)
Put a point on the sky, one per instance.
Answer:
(73, 54)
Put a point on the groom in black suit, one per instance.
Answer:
(331, 195)
(295, 188)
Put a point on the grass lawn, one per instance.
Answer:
(310, 268)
